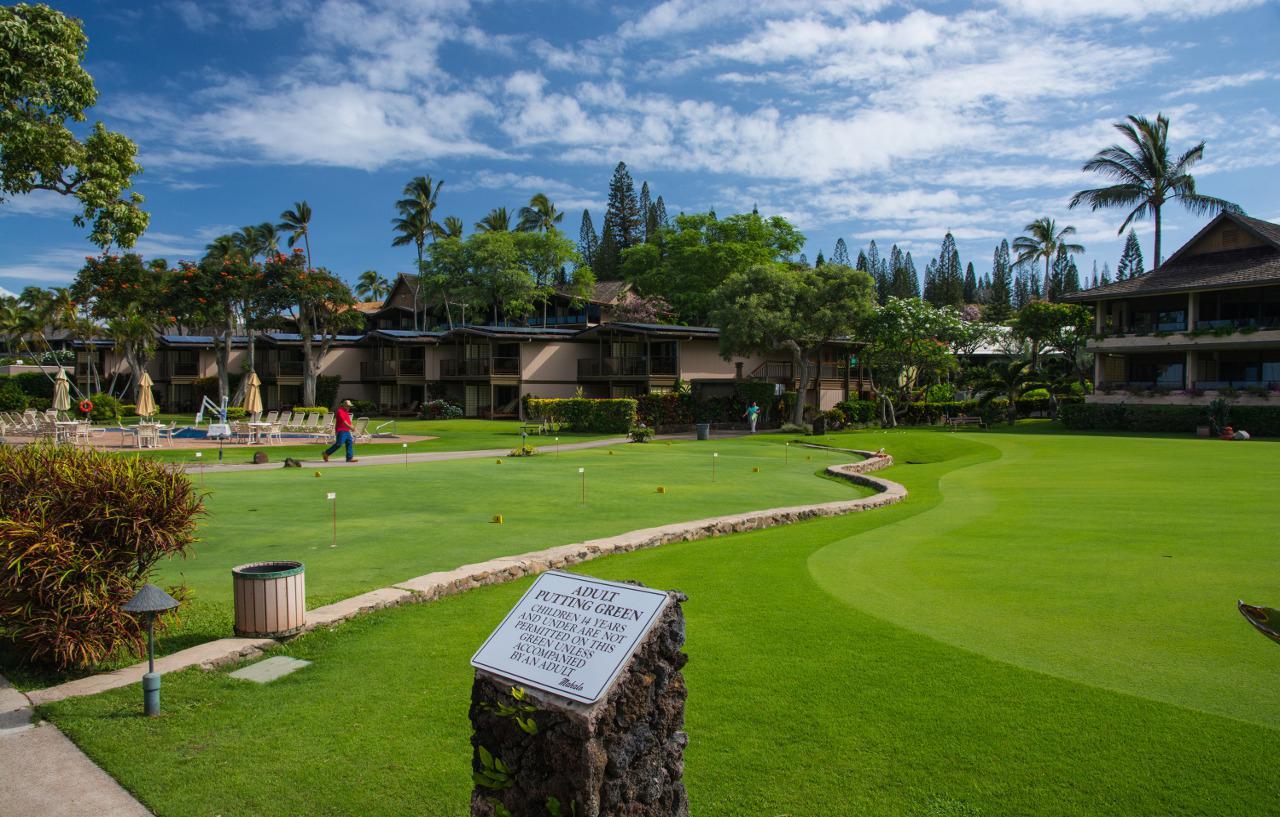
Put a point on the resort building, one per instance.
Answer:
(485, 369)
(1205, 323)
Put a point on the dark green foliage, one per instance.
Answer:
(1259, 421)
(105, 408)
(680, 410)
(611, 416)
(12, 397)
(662, 411)
(970, 285)
(588, 241)
(999, 302)
(623, 225)
(208, 387)
(327, 390)
(1130, 265)
(34, 384)
(363, 407)
(858, 411)
(80, 531)
(840, 255)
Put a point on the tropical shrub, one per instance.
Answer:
(640, 434)
(304, 409)
(327, 389)
(105, 408)
(365, 407)
(12, 397)
(793, 428)
(667, 410)
(441, 410)
(236, 413)
(858, 411)
(605, 416)
(80, 532)
(1259, 421)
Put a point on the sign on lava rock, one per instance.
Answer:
(571, 635)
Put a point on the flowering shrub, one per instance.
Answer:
(441, 410)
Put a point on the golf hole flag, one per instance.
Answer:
(571, 635)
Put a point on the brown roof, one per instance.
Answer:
(605, 292)
(1228, 269)
(367, 307)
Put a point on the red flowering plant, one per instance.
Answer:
(128, 294)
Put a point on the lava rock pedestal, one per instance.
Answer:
(622, 756)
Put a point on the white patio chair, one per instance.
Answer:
(310, 425)
(272, 417)
(360, 430)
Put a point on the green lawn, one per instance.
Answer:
(966, 652)
(451, 435)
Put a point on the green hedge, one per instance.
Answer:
(612, 416)
(858, 411)
(670, 410)
(1259, 421)
(12, 397)
(327, 389)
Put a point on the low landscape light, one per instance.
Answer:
(150, 602)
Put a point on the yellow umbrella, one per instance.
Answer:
(146, 400)
(252, 396)
(62, 391)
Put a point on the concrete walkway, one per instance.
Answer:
(43, 774)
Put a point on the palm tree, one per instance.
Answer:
(1043, 239)
(451, 227)
(1146, 177)
(540, 216)
(1004, 379)
(371, 286)
(497, 221)
(224, 247)
(416, 224)
(267, 238)
(297, 223)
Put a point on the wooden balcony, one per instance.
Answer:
(391, 369)
(480, 368)
(275, 369)
(626, 368)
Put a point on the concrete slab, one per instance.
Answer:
(269, 669)
(209, 654)
(46, 775)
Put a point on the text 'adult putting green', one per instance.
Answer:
(570, 635)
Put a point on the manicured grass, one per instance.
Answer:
(1108, 560)
(451, 435)
(397, 522)
(800, 702)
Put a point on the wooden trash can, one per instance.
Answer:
(270, 598)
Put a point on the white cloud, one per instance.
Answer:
(1125, 9)
(1208, 85)
(40, 203)
(193, 15)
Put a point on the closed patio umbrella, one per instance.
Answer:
(146, 400)
(252, 395)
(62, 391)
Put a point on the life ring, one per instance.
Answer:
(86, 406)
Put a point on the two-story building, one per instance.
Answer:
(1204, 323)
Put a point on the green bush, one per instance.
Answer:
(68, 561)
(792, 428)
(858, 411)
(327, 389)
(1259, 421)
(105, 408)
(668, 410)
(940, 393)
(236, 413)
(39, 403)
(36, 384)
(441, 410)
(208, 387)
(311, 409)
(364, 407)
(835, 419)
(607, 416)
(12, 397)
(640, 434)
(128, 410)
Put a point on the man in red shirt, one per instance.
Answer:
(342, 429)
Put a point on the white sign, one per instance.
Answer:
(331, 495)
(571, 635)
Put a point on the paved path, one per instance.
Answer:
(43, 774)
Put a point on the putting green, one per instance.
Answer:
(800, 702)
(1116, 562)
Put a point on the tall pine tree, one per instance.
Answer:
(1130, 265)
(879, 269)
(623, 225)
(819, 261)
(841, 253)
(1021, 290)
(588, 241)
(646, 213)
(999, 302)
(913, 277)
(660, 213)
(1106, 274)
(948, 276)
(862, 262)
(970, 291)
(899, 280)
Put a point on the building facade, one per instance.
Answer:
(1206, 323)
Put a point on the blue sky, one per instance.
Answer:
(862, 119)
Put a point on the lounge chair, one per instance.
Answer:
(286, 420)
(360, 430)
(272, 417)
(410, 411)
(310, 424)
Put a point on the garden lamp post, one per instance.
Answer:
(150, 602)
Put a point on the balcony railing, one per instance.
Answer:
(624, 367)
(1220, 385)
(773, 370)
(180, 368)
(832, 371)
(377, 369)
(481, 367)
(1239, 323)
(282, 368)
(1139, 385)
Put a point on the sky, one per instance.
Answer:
(861, 119)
